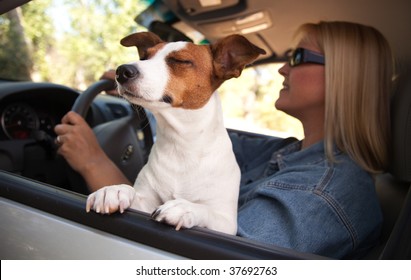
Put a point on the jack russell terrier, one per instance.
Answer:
(191, 177)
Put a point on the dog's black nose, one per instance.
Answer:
(126, 72)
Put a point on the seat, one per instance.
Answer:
(393, 188)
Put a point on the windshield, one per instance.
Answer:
(66, 42)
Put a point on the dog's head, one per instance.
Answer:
(181, 74)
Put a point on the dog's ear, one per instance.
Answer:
(141, 40)
(231, 54)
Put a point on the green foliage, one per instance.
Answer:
(39, 31)
(67, 42)
(91, 44)
(15, 59)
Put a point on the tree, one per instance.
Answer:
(26, 33)
(76, 54)
(91, 44)
(15, 58)
(39, 32)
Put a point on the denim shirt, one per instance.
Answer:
(298, 199)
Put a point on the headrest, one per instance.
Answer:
(400, 165)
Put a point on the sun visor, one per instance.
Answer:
(194, 8)
(251, 23)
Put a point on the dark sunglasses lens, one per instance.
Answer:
(296, 57)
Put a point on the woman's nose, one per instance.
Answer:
(284, 69)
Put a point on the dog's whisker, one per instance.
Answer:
(138, 109)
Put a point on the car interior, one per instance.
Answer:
(32, 175)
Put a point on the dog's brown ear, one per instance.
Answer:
(231, 54)
(141, 40)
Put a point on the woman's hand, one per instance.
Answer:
(77, 143)
(79, 146)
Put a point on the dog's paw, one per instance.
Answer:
(111, 199)
(179, 213)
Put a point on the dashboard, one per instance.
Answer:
(19, 120)
(25, 111)
(27, 107)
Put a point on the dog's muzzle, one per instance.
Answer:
(126, 72)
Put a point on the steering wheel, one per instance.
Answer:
(126, 141)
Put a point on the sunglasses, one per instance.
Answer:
(301, 56)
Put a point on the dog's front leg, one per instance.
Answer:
(111, 199)
(185, 214)
(115, 198)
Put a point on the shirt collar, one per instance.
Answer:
(293, 153)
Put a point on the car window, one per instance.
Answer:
(248, 103)
(67, 42)
(73, 42)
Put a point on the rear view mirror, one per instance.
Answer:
(167, 33)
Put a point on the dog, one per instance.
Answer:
(191, 177)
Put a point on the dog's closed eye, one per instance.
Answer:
(179, 61)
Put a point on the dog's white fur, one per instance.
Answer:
(192, 177)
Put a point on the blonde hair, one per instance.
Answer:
(358, 85)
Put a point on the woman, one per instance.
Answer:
(316, 195)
